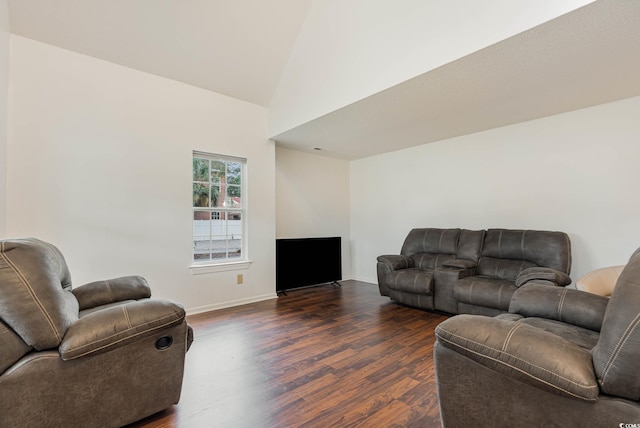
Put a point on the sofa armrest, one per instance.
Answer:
(113, 290)
(561, 304)
(396, 262)
(522, 352)
(544, 275)
(116, 326)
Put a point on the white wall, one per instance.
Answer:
(312, 199)
(100, 165)
(350, 49)
(576, 172)
(4, 95)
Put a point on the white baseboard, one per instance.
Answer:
(230, 303)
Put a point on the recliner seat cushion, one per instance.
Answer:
(417, 281)
(483, 291)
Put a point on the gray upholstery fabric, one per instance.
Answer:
(522, 352)
(503, 268)
(618, 350)
(474, 271)
(580, 336)
(113, 290)
(430, 240)
(116, 374)
(473, 395)
(417, 281)
(545, 364)
(538, 273)
(562, 304)
(12, 347)
(470, 244)
(36, 301)
(542, 248)
(483, 291)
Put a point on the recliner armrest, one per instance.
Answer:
(112, 290)
(396, 262)
(522, 352)
(544, 275)
(116, 326)
(561, 304)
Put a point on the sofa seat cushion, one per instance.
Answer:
(484, 291)
(418, 281)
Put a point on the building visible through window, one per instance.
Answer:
(218, 208)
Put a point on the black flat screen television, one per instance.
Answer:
(301, 262)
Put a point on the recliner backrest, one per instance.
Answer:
(506, 252)
(616, 356)
(429, 247)
(35, 292)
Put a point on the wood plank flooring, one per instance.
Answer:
(323, 356)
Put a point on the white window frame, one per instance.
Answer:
(225, 264)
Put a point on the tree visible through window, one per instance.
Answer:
(218, 209)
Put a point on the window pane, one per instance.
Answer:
(217, 171)
(216, 200)
(201, 170)
(200, 195)
(201, 235)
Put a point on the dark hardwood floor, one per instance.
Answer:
(323, 356)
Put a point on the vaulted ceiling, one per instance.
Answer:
(240, 49)
(235, 48)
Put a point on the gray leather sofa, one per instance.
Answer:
(101, 355)
(560, 358)
(472, 271)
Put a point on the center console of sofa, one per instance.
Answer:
(472, 271)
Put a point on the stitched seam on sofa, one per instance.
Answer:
(440, 241)
(500, 244)
(471, 290)
(424, 239)
(90, 344)
(126, 315)
(509, 336)
(110, 291)
(561, 304)
(623, 340)
(415, 283)
(511, 355)
(31, 292)
(522, 247)
(529, 374)
(500, 294)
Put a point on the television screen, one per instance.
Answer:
(301, 262)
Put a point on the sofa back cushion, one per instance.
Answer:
(616, 356)
(35, 292)
(470, 244)
(537, 247)
(431, 240)
(430, 260)
(502, 268)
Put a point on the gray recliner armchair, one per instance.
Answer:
(560, 358)
(101, 355)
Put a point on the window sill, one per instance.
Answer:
(198, 269)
